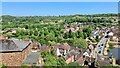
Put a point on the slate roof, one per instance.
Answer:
(8, 45)
(32, 58)
(71, 53)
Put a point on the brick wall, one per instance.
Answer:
(15, 58)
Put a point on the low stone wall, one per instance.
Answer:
(15, 58)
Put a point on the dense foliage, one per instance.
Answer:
(51, 60)
(51, 30)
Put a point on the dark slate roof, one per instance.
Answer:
(71, 53)
(32, 58)
(44, 45)
(9, 45)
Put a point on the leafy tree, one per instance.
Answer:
(80, 34)
(51, 60)
(61, 62)
(97, 38)
(66, 35)
(3, 66)
(42, 41)
(59, 38)
(70, 33)
(87, 31)
(51, 42)
(24, 66)
(81, 43)
(85, 35)
(50, 36)
(110, 45)
(26, 26)
(74, 65)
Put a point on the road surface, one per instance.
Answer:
(100, 47)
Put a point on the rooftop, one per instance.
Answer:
(64, 46)
(73, 52)
(32, 58)
(8, 45)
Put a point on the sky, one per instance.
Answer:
(57, 8)
(60, 0)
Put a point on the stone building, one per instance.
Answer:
(62, 49)
(73, 55)
(14, 51)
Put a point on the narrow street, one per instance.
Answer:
(100, 47)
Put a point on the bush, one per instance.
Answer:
(3, 66)
(94, 41)
(74, 65)
(110, 45)
(81, 43)
(24, 66)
